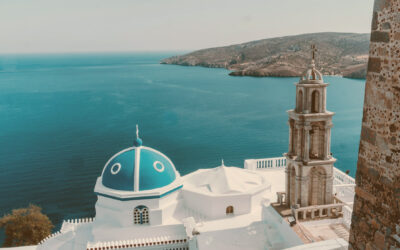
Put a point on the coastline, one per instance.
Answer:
(254, 73)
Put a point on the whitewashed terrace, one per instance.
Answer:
(274, 170)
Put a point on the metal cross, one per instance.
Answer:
(314, 49)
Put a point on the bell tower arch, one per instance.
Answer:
(309, 143)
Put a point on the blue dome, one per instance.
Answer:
(138, 169)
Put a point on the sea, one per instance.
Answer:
(62, 116)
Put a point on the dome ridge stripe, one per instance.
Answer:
(137, 170)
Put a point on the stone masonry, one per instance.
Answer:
(309, 174)
(376, 211)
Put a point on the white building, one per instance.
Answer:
(143, 202)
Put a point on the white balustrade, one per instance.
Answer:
(323, 211)
(173, 242)
(50, 237)
(342, 178)
(266, 163)
(344, 193)
(280, 162)
(79, 221)
(347, 211)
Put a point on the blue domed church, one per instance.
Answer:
(143, 202)
(138, 186)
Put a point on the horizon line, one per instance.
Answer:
(165, 50)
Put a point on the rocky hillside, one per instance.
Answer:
(343, 54)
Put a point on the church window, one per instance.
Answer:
(158, 166)
(141, 215)
(315, 102)
(229, 210)
(115, 168)
(300, 101)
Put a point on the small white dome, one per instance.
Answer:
(312, 75)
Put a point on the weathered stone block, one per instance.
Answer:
(375, 224)
(373, 173)
(380, 37)
(381, 4)
(369, 246)
(363, 227)
(375, 21)
(365, 195)
(386, 26)
(374, 64)
(379, 240)
(393, 128)
(368, 135)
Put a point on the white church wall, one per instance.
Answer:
(279, 233)
(167, 199)
(258, 197)
(168, 210)
(110, 217)
(118, 213)
(215, 206)
(63, 241)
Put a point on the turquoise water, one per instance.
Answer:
(63, 116)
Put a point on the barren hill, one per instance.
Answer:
(343, 54)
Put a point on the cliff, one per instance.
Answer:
(343, 54)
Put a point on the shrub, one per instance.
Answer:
(25, 226)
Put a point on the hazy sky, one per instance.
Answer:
(156, 25)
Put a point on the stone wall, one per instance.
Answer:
(376, 214)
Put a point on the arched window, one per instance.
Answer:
(229, 210)
(300, 101)
(141, 215)
(315, 102)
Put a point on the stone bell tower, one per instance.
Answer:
(309, 172)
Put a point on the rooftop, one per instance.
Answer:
(326, 228)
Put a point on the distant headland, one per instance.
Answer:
(344, 54)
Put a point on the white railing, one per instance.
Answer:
(266, 163)
(168, 242)
(66, 225)
(72, 224)
(53, 235)
(347, 211)
(79, 220)
(318, 211)
(344, 193)
(343, 187)
(342, 178)
(280, 162)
